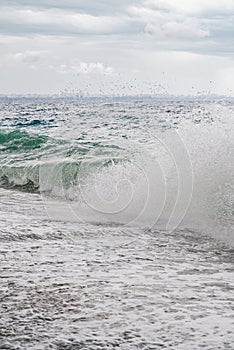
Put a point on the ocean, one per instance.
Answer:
(117, 224)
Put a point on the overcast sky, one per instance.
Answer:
(117, 46)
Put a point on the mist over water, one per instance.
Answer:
(116, 225)
(150, 164)
(211, 148)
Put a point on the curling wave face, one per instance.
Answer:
(164, 164)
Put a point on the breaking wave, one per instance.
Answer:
(176, 177)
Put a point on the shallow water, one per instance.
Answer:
(99, 248)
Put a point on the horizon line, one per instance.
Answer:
(80, 97)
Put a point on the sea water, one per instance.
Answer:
(116, 224)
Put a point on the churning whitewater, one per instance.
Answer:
(117, 225)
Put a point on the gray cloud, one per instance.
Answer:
(57, 21)
(101, 7)
(28, 57)
(196, 8)
(165, 21)
(52, 41)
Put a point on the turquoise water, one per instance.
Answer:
(116, 225)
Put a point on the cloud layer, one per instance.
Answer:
(165, 20)
(124, 40)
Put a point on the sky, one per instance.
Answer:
(117, 47)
